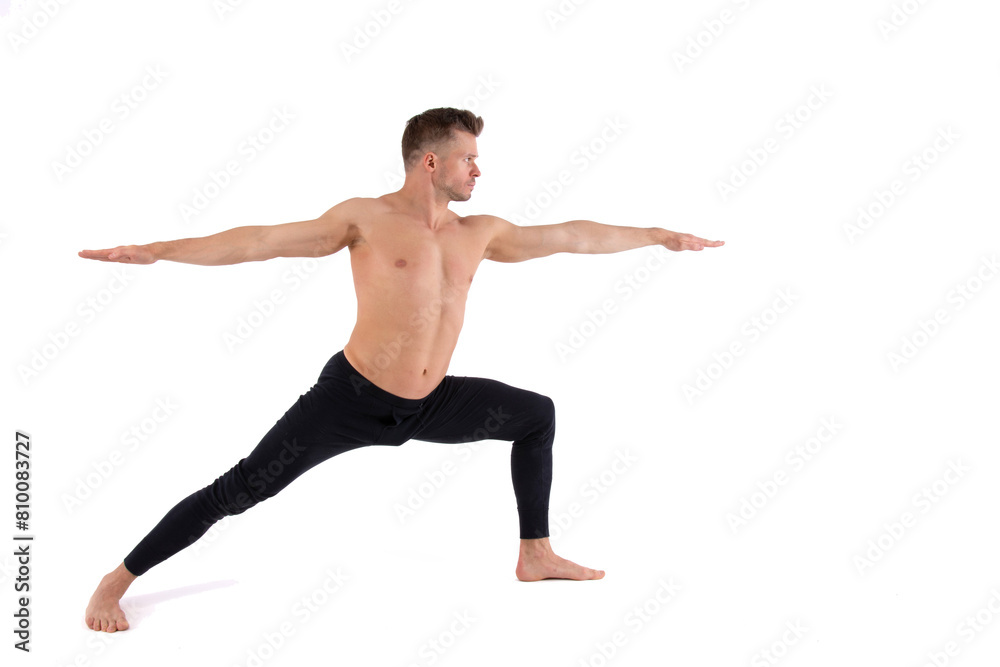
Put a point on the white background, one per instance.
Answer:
(545, 88)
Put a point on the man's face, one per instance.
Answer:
(458, 171)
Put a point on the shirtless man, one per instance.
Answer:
(413, 261)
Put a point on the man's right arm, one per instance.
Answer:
(325, 235)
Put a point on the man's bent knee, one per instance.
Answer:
(546, 409)
(543, 413)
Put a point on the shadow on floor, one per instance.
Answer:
(138, 607)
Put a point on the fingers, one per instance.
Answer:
(94, 254)
(691, 242)
(118, 254)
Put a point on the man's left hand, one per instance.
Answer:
(677, 241)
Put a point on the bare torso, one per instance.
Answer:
(411, 283)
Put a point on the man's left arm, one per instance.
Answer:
(512, 243)
(596, 238)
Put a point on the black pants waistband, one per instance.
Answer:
(361, 383)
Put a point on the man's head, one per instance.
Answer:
(442, 142)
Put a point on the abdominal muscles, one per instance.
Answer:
(407, 330)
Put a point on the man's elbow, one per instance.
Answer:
(256, 247)
(570, 238)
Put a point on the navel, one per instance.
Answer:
(400, 263)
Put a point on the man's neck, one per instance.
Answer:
(425, 204)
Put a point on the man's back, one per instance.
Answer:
(412, 283)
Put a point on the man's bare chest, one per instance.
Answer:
(406, 255)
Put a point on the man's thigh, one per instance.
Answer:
(325, 421)
(471, 408)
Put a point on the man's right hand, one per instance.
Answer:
(126, 254)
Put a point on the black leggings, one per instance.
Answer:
(344, 411)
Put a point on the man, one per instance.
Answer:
(413, 262)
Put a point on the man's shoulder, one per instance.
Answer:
(358, 209)
(364, 203)
(479, 220)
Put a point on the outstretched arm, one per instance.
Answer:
(325, 235)
(229, 247)
(511, 243)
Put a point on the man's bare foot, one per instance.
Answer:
(537, 561)
(104, 613)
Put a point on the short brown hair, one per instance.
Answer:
(435, 126)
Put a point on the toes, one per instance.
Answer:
(122, 624)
